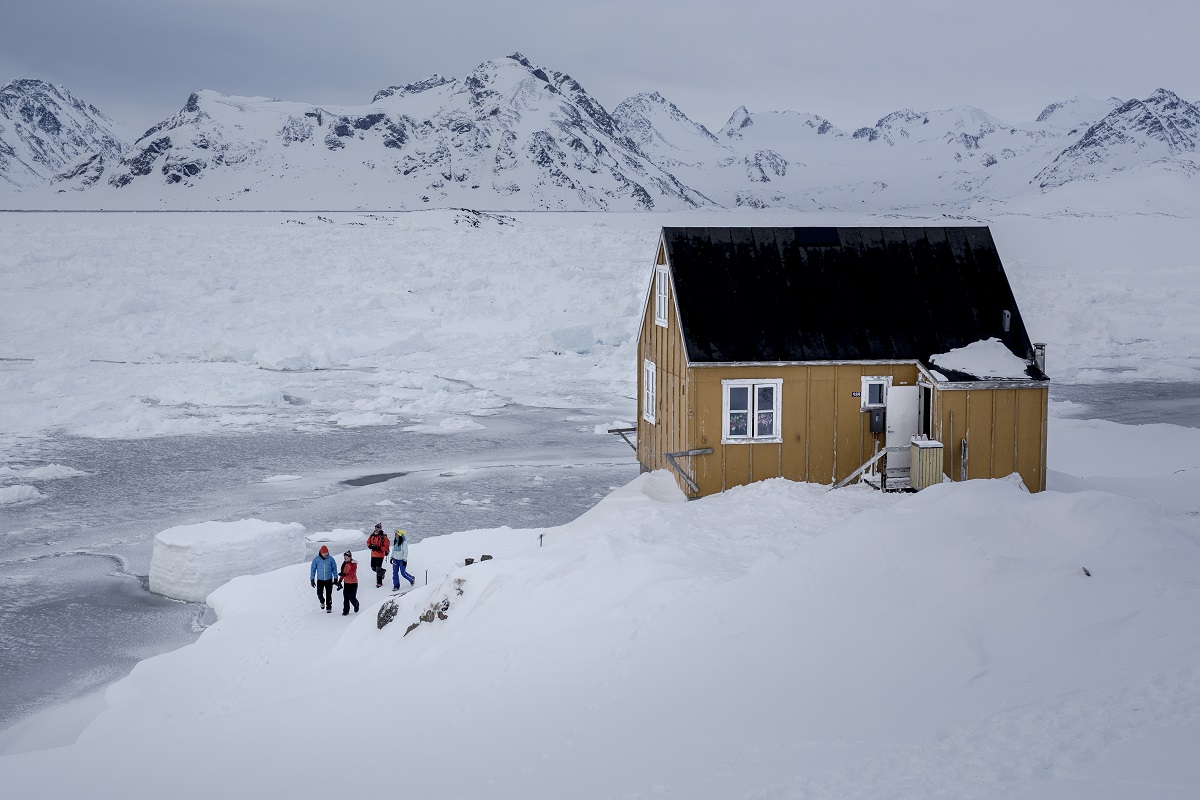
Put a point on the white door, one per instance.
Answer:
(901, 423)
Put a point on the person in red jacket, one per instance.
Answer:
(378, 542)
(348, 580)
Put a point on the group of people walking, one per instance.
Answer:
(325, 574)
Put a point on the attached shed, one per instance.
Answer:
(808, 353)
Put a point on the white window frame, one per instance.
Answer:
(865, 394)
(661, 295)
(649, 390)
(752, 437)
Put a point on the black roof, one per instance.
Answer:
(840, 294)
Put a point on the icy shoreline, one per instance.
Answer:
(534, 466)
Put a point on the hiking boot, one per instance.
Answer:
(328, 610)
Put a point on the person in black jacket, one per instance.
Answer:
(378, 542)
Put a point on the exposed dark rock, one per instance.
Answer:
(143, 162)
(431, 82)
(387, 613)
(365, 123)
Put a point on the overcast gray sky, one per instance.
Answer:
(137, 60)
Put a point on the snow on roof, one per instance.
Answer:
(987, 359)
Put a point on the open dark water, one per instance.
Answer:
(1134, 403)
(74, 611)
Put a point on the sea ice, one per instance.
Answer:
(189, 561)
(337, 535)
(18, 495)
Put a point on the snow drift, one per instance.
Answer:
(190, 561)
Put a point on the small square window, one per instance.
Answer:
(874, 391)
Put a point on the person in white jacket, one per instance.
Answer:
(400, 560)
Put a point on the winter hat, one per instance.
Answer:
(324, 550)
(399, 531)
(348, 554)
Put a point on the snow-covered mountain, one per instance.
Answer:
(44, 128)
(508, 135)
(662, 131)
(950, 159)
(1078, 111)
(1162, 130)
(514, 136)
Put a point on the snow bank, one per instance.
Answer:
(190, 561)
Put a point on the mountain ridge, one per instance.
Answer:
(44, 128)
(513, 135)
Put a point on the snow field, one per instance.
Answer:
(777, 640)
(190, 561)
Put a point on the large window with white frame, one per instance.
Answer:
(750, 410)
(661, 282)
(649, 390)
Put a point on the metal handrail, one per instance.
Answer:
(869, 462)
(670, 457)
(621, 432)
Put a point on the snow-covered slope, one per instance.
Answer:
(44, 129)
(778, 640)
(1161, 131)
(1080, 110)
(662, 131)
(508, 135)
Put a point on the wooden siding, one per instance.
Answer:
(1005, 430)
(825, 436)
(671, 430)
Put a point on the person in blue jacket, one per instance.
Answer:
(321, 574)
(400, 560)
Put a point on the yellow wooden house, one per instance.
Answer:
(892, 355)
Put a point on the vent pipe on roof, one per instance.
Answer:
(1039, 356)
(1006, 320)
